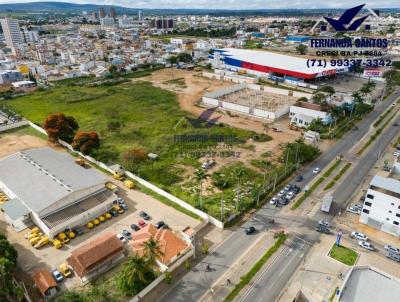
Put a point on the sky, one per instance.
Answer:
(231, 4)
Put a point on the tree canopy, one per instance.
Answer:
(59, 126)
(86, 141)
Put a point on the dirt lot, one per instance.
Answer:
(195, 86)
(30, 259)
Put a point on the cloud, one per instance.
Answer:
(230, 4)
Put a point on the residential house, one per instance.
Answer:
(45, 283)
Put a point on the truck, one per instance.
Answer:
(326, 203)
(65, 270)
(112, 187)
(129, 184)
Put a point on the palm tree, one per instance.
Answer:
(135, 269)
(199, 174)
(152, 250)
(357, 97)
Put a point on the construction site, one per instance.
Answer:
(258, 101)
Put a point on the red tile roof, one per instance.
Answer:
(87, 257)
(171, 245)
(44, 280)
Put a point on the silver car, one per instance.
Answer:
(392, 249)
(366, 245)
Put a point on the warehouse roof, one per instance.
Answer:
(275, 60)
(386, 183)
(40, 177)
(365, 284)
(14, 209)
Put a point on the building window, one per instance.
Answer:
(392, 204)
(367, 203)
(396, 222)
(390, 212)
(370, 196)
(366, 211)
(397, 215)
(387, 219)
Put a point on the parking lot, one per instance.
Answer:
(31, 259)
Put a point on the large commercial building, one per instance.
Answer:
(381, 208)
(47, 188)
(271, 65)
(12, 32)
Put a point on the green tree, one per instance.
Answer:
(357, 97)
(173, 59)
(318, 98)
(184, 57)
(152, 251)
(59, 126)
(135, 275)
(301, 49)
(328, 89)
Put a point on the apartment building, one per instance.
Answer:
(12, 32)
(381, 209)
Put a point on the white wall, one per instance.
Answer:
(236, 107)
(210, 101)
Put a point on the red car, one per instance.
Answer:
(141, 223)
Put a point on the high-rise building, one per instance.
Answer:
(112, 13)
(12, 32)
(162, 23)
(102, 12)
(140, 15)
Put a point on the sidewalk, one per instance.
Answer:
(220, 288)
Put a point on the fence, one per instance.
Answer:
(13, 125)
(141, 181)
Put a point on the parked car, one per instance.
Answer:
(127, 234)
(353, 210)
(289, 196)
(123, 206)
(287, 187)
(299, 178)
(250, 230)
(393, 256)
(316, 170)
(273, 200)
(159, 224)
(141, 223)
(283, 201)
(120, 200)
(358, 206)
(281, 193)
(134, 227)
(144, 215)
(296, 189)
(122, 238)
(114, 213)
(77, 231)
(57, 276)
(396, 153)
(324, 223)
(322, 229)
(366, 245)
(358, 235)
(392, 249)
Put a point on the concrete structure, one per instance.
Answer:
(12, 32)
(254, 100)
(381, 208)
(270, 64)
(24, 86)
(367, 284)
(107, 22)
(97, 256)
(303, 113)
(48, 188)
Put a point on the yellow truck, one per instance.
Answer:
(96, 222)
(118, 209)
(118, 176)
(90, 225)
(43, 241)
(101, 219)
(80, 161)
(129, 184)
(29, 236)
(35, 240)
(63, 237)
(57, 243)
(107, 215)
(70, 234)
(65, 270)
(112, 187)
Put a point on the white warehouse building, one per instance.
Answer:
(48, 189)
(381, 209)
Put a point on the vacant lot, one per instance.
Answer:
(343, 254)
(140, 115)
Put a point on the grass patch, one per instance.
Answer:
(337, 177)
(343, 254)
(308, 193)
(376, 134)
(332, 168)
(180, 82)
(244, 280)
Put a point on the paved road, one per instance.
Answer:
(277, 273)
(197, 282)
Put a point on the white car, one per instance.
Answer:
(290, 195)
(366, 245)
(392, 249)
(316, 170)
(281, 193)
(324, 223)
(273, 200)
(353, 210)
(358, 235)
(122, 238)
(396, 153)
(287, 188)
(57, 275)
